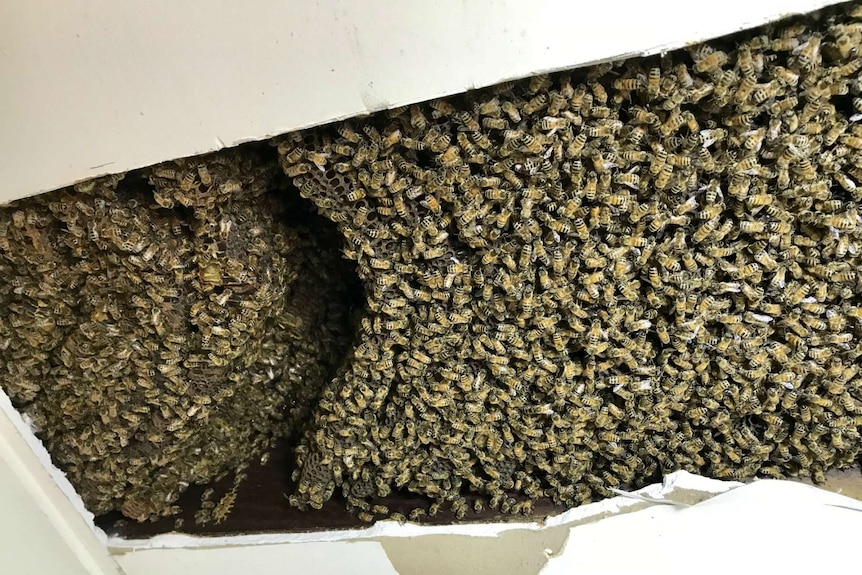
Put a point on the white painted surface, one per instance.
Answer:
(99, 86)
(362, 558)
(764, 527)
(30, 545)
(41, 530)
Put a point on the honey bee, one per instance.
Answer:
(489, 107)
(631, 180)
(537, 103)
(553, 123)
(843, 180)
(672, 124)
(627, 84)
(639, 325)
(783, 106)
(710, 62)
(644, 117)
(664, 176)
(652, 86)
(467, 121)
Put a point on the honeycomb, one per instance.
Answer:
(572, 283)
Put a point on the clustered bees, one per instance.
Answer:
(572, 283)
(160, 330)
(577, 281)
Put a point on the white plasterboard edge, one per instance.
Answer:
(349, 558)
(95, 87)
(767, 526)
(676, 480)
(26, 458)
(677, 23)
(44, 458)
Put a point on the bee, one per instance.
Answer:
(436, 140)
(537, 103)
(467, 121)
(784, 44)
(495, 124)
(704, 231)
(697, 94)
(808, 54)
(348, 133)
(644, 117)
(450, 157)
(710, 212)
(631, 180)
(361, 215)
(552, 123)
(511, 111)
(843, 180)
(627, 84)
(639, 325)
(599, 112)
(672, 124)
(600, 95)
(745, 88)
(664, 176)
(784, 105)
(784, 76)
(711, 62)
(441, 109)
(653, 82)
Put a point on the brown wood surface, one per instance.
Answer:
(262, 506)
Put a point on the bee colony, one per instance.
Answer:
(572, 283)
(163, 331)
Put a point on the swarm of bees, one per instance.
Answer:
(579, 280)
(572, 283)
(162, 329)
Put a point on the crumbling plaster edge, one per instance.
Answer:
(392, 529)
(39, 458)
(24, 456)
(44, 460)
